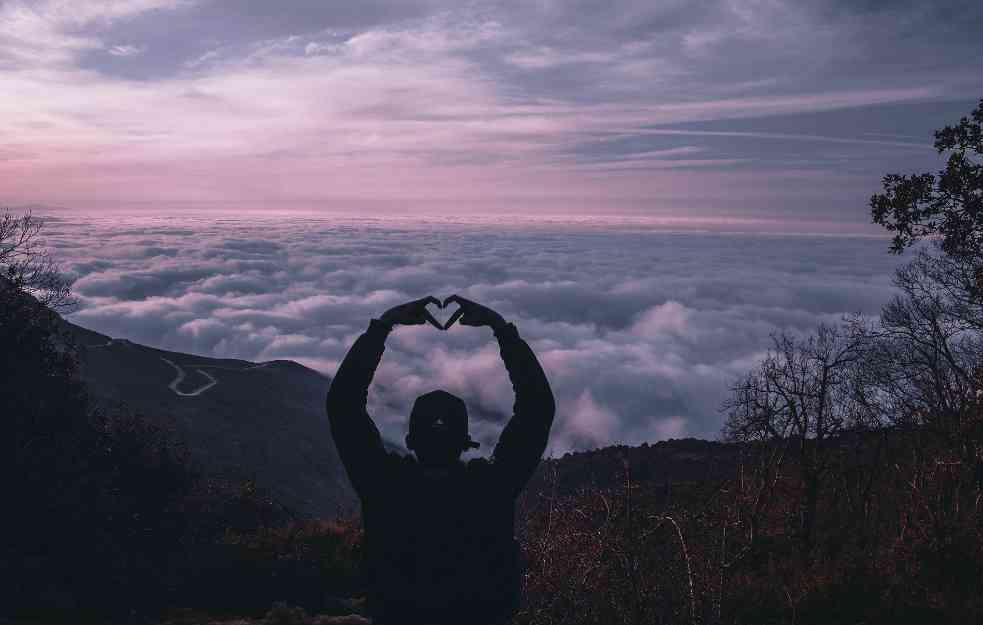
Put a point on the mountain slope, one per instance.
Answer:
(264, 420)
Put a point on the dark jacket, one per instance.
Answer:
(439, 544)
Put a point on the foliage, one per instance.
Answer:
(93, 491)
(898, 539)
(897, 531)
(949, 204)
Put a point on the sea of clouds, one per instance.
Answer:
(640, 329)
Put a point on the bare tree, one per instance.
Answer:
(751, 421)
(925, 364)
(804, 393)
(28, 266)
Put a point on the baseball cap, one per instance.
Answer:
(440, 410)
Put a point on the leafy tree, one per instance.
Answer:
(948, 204)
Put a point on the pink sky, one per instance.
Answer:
(456, 109)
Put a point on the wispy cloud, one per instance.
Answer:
(126, 50)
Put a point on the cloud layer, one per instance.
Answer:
(640, 329)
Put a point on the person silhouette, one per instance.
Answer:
(439, 543)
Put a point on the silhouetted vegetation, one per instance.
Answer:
(92, 493)
(947, 204)
(107, 517)
(855, 465)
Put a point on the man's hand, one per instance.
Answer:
(472, 314)
(413, 313)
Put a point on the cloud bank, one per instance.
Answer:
(640, 329)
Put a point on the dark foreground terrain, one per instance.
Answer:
(137, 494)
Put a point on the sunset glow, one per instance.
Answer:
(738, 110)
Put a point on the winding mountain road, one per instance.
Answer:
(180, 378)
(212, 381)
(181, 375)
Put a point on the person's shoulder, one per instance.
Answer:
(479, 467)
(484, 474)
(394, 464)
(393, 471)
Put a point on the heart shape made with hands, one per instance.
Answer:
(443, 315)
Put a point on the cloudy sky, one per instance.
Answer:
(701, 108)
(648, 188)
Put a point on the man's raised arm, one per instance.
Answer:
(356, 436)
(523, 441)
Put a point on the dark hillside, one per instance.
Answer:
(264, 421)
